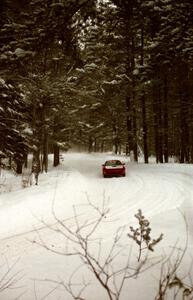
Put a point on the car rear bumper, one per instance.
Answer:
(113, 172)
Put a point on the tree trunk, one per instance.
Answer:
(134, 114)
(155, 124)
(191, 144)
(158, 120)
(95, 144)
(160, 127)
(129, 42)
(115, 147)
(135, 146)
(166, 150)
(129, 124)
(26, 160)
(45, 152)
(145, 146)
(143, 103)
(0, 164)
(19, 167)
(90, 141)
(56, 155)
(184, 111)
(102, 146)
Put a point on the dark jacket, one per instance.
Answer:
(36, 167)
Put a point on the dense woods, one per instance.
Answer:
(99, 75)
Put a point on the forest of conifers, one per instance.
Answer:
(100, 75)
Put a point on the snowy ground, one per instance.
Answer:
(162, 192)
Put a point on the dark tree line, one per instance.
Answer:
(101, 75)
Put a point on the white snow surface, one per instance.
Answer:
(163, 192)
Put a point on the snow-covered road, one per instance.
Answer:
(162, 192)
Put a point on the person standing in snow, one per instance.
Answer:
(36, 170)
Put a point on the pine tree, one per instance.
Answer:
(13, 144)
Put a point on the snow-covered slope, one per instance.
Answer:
(162, 192)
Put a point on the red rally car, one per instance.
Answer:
(113, 168)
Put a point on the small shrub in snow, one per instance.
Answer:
(141, 235)
(171, 285)
(81, 240)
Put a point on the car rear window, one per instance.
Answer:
(113, 163)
